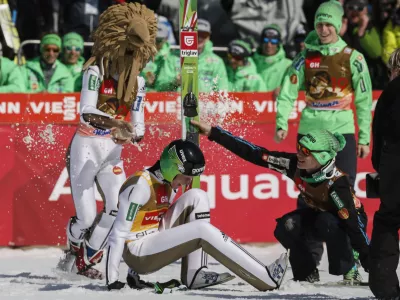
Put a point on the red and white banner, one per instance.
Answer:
(245, 199)
(160, 108)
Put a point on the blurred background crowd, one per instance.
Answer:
(244, 45)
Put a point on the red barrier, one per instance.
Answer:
(245, 199)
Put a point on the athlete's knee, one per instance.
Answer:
(199, 197)
(205, 230)
(286, 230)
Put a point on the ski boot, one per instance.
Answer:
(205, 279)
(86, 258)
(277, 269)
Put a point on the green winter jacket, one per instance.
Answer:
(245, 79)
(11, 80)
(341, 121)
(272, 68)
(390, 40)
(212, 71)
(166, 68)
(61, 81)
(77, 74)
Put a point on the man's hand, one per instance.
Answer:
(203, 128)
(362, 151)
(150, 78)
(116, 285)
(275, 93)
(280, 135)
(363, 23)
(123, 133)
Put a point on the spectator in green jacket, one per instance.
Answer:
(11, 80)
(360, 33)
(72, 45)
(270, 59)
(45, 73)
(162, 74)
(212, 71)
(242, 75)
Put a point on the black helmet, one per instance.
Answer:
(181, 157)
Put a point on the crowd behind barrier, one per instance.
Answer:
(367, 26)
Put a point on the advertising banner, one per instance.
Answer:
(245, 199)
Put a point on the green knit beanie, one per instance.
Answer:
(50, 39)
(72, 39)
(330, 12)
(323, 144)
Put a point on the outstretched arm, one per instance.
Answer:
(282, 162)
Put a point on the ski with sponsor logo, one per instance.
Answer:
(189, 74)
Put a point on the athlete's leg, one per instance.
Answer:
(157, 250)
(191, 206)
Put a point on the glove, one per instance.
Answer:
(134, 281)
(122, 133)
(116, 285)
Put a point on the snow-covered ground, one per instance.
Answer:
(30, 274)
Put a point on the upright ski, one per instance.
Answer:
(189, 75)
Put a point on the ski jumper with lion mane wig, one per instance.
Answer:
(123, 43)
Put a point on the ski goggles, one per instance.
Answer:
(355, 7)
(306, 151)
(273, 41)
(70, 48)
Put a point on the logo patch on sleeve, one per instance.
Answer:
(336, 199)
(133, 208)
(293, 78)
(94, 83)
(343, 214)
(203, 215)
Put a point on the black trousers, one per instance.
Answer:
(384, 247)
(294, 229)
(346, 160)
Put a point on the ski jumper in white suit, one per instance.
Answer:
(123, 43)
(96, 159)
(150, 233)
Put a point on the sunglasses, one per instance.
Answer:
(306, 151)
(272, 41)
(235, 57)
(55, 50)
(70, 48)
(355, 7)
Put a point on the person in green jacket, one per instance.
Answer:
(363, 35)
(242, 74)
(45, 73)
(212, 71)
(270, 59)
(162, 74)
(72, 45)
(332, 74)
(11, 79)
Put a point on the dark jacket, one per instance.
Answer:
(340, 190)
(386, 122)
